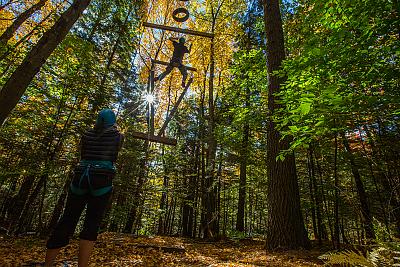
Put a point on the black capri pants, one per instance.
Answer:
(75, 205)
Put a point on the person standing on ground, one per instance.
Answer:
(177, 60)
(91, 187)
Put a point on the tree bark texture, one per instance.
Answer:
(285, 225)
(16, 85)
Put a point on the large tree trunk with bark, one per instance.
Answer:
(9, 32)
(16, 85)
(285, 225)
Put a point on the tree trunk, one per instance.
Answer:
(16, 85)
(365, 211)
(137, 193)
(9, 32)
(210, 198)
(188, 210)
(312, 200)
(385, 181)
(285, 225)
(325, 203)
(317, 198)
(336, 237)
(19, 200)
(243, 175)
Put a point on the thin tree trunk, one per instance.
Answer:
(365, 211)
(242, 178)
(312, 200)
(137, 193)
(324, 202)
(210, 201)
(218, 195)
(197, 185)
(203, 221)
(163, 204)
(20, 200)
(385, 181)
(317, 198)
(378, 192)
(335, 174)
(187, 209)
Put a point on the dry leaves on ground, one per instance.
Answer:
(126, 250)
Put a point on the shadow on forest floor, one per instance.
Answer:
(125, 250)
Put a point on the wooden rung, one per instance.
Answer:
(175, 29)
(153, 138)
(166, 64)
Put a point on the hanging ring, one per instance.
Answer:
(180, 10)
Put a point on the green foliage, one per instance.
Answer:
(343, 69)
(382, 255)
(346, 258)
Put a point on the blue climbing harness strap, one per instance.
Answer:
(87, 165)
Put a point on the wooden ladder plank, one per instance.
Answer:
(175, 29)
(154, 138)
(166, 64)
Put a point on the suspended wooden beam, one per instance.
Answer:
(175, 29)
(166, 64)
(175, 108)
(154, 138)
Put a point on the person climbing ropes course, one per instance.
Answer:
(177, 60)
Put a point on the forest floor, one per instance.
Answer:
(125, 250)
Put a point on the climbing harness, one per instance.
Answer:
(96, 166)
